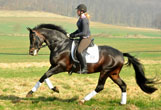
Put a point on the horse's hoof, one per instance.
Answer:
(55, 89)
(81, 102)
(122, 103)
(29, 94)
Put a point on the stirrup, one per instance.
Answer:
(85, 71)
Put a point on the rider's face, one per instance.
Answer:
(78, 12)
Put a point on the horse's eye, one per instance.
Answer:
(33, 34)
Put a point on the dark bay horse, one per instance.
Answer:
(110, 62)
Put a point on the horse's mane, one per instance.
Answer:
(51, 26)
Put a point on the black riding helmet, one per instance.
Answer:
(82, 7)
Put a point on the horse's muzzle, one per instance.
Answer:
(33, 52)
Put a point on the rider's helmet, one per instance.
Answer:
(82, 7)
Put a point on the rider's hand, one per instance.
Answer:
(68, 35)
(72, 35)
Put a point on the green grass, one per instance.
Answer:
(72, 88)
(16, 82)
(17, 25)
(124, 32)
(15, 48)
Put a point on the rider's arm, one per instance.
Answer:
(77, 31)
(85, 28)
(72, 35)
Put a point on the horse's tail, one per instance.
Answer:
(141, 80)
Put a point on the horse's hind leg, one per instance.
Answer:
(100, 86)
(116, 78)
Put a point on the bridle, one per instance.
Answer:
(39, 37)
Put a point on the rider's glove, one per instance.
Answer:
(68, 35)
(72, 35)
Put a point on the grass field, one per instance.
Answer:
(19, 72)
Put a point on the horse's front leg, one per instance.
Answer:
(50, 72)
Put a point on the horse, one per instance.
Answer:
(109, 64)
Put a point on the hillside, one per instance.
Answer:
(21, 13)
(15, 23)
(136, 13)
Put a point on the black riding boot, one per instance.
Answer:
(83, 63)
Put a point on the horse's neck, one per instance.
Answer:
(54, 40)
(61, 46)
(53, 44)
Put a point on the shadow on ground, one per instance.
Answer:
(15, 99)
(20, 54)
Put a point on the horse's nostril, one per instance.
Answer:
(30, 52)
(33, 52)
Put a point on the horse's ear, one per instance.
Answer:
(29, 29)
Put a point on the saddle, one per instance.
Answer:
(91, 53)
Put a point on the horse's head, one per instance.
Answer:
(36, 41)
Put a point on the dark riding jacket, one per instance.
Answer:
(83, 30)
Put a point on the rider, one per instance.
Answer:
(83, 32)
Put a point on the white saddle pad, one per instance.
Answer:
(92, 55)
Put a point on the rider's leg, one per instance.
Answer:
(83, 63)
(84, 43)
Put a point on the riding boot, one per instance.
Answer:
(83, 63)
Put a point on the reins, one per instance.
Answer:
(43, 46)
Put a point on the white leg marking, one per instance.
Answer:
(47, 81)
(90, 95)
(35, 52)
(123, 98)
(38, 84)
